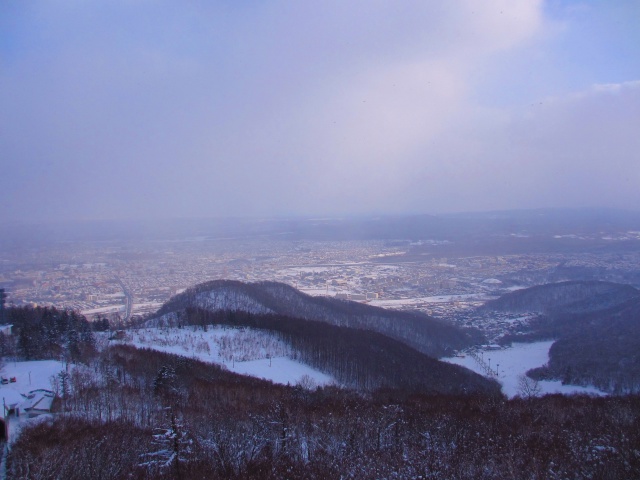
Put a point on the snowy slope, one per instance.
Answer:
(424, 333)
(510, 363)
(229, 299)
(245, 351)
(223, 298)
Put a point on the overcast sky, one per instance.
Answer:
(141, 108)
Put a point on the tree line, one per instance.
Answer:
(40, 333)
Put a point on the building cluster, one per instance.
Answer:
(102, 280)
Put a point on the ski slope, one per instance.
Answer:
(245, 351)
(509, 364)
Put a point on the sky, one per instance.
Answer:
(126, 109)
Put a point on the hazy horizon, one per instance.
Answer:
(585, 212)
(132, 110)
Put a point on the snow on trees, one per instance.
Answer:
(173, 447)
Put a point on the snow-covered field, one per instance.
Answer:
(513, 362)
(29, 375)
(245, 351)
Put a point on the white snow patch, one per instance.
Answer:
(318, 292)
(307, 269)
(435, 299)
(515, 288)
(109, 309)
(246, 351)
(30, 375)
(513, 362)
(281, 370)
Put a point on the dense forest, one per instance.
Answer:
(361, 359)
(599, 348)
(143, 414)
(426, 334)
(48, 333)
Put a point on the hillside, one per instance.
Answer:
(424, 333)
(566, 297)
(596, 326)
(358, 359)
(601, 348)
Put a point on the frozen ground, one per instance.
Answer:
(245, 351)
(511, 363)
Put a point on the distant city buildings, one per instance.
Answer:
(92, 278)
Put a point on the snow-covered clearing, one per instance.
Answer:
(513, 362)
(245, 351)
(33, 375)
(30, 375)
(437, 299)
(319, 292)
(147, 306)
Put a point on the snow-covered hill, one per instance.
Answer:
(424, 333)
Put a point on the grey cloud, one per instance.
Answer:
(133, 109)
(576, 151)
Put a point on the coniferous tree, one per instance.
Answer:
(173, 447)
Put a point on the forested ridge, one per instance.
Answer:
(424, 333)
(564, 297)
(600, 348)
(360, 359)
(138, 413)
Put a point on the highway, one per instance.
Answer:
(128, 300)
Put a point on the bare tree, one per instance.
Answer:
(528, 387)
